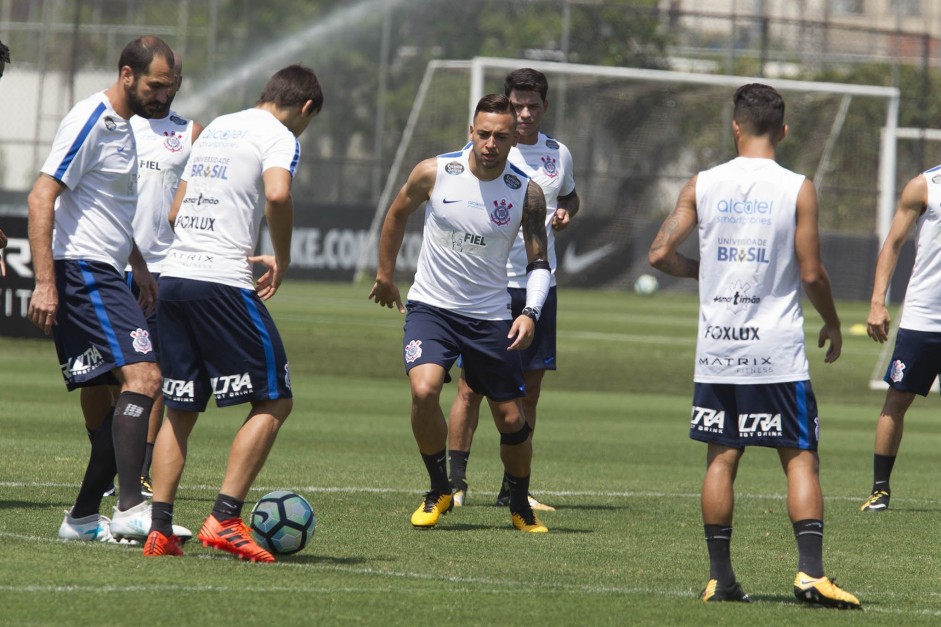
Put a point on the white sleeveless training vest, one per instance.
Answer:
(163, 146)
(751, 322)
(470, 226)
(922, 309)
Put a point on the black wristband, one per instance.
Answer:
(539, 264)
(530, 312)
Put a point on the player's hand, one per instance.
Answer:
(267, 286)
(877, 325)
(561, 219)
(147, 286)
(386, 295)
(43, 306)
(521, 333)
(836, 342)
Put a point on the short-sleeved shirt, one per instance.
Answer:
(163, 147)
(94, 155)
(218, 221)
(549, 163)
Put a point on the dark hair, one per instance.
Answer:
(494, 103)
(292, 86)
(759, 109)
(4, 52)
(140, 53)
(526, 79)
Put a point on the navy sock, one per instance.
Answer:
(881, 470)
(457, 461)
(809, 535)
(161, 517)
(131, 413)
(148, 459)
(437, 466)
(519, 492)
(100, 470)
(718, 541)
(227, 507)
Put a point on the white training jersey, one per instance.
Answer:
(163, 146)
(217, 224)
(94, 156)
(470, 226)
(922, 308)
(549, 163)
(751, 325)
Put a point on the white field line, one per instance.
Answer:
(626, 494)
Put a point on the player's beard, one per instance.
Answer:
(153, 109)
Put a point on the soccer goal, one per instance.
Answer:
(637, 136)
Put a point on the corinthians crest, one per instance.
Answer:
(549, 167)
(172, 141)
(501, 213)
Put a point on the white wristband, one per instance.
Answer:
(537, 288)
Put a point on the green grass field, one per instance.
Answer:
(612, 453)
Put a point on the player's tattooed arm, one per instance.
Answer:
(678, 226)
(534, 223)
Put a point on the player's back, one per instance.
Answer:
(751, 327)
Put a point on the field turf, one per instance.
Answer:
(611, 452)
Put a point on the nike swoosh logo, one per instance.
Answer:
(574, 263)
(807, 582)
(448, 202)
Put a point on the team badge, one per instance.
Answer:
(897, 371)
(172, 141)
(512, 181)
(501, 213)
(454, 168)
(412, 351)
(552, 144)
(142, 341)
(936, 178)
(549, 167)
(109, 123)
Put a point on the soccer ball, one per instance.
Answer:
(283, 522)
(646, 284)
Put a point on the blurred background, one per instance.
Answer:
(397, 81)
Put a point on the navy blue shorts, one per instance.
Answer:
(778, 415)
(437, 336)
(541, 353)
(152, 318)
(220, 341)
(99, 325)
(916, 361)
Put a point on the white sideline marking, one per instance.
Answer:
(628, 494)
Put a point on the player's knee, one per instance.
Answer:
(517, 437)
(145, 380)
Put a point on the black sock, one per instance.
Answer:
(131, 413)
(161, 517)
(437, 466)
(718, 541)
(227, 507)
(809, 535)
(100, 471)
(457, 461)
(519, 491)
(148, 458)
(881, 470)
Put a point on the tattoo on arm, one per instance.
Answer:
(534, 223)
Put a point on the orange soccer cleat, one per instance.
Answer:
(231, 535)
(158, 545)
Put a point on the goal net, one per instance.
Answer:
(638, 135)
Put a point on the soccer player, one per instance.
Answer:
(80, 213)
(758, 241)
(163, 146)
(916, 360)
(475, 203)
(211, 316)
(549, 163)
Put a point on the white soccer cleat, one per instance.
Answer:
(541, 507)
(134, 524)
(91, 528)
